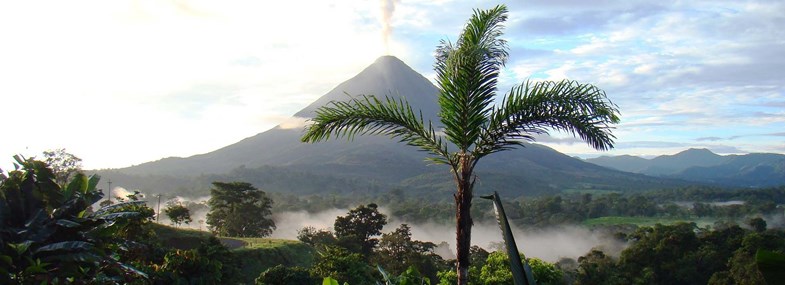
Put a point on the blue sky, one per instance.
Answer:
(124, 82)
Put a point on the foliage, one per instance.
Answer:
(409, 277)
(282, 275)
(49, 235)
(771, 265)
(63, 164)
(466, 75)
(684, 254)
(359, 227)
(398, 253)
(545, 273)
(178, 213)
(239, 209)
(596, 268)
(210, 263)
(339, 263)
(189, 267)
(314, 237)
(260, 254)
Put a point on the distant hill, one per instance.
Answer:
(702, 165)
(276, 160)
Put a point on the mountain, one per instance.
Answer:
(702, 165)
(382, 162)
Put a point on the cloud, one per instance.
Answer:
(294, 123)
(544, 138)
(712, 139)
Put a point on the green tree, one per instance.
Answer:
(178, 213)
(48, 236)
(466, 75)
(758, 224)
(63, 164)
(597, 268)
(341, 264)
(282, 275)
(239, 209)
(398, 252)
(359, 227)
(314, 237)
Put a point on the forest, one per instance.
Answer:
(62, 231)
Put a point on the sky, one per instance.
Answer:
(119, 83)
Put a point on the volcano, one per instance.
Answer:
(532, 169)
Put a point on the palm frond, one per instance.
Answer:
(533, 108)
(367, 115)
(467, 73)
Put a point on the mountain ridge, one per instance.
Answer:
(702, 165)
(531, 169)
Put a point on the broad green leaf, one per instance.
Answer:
(67, 223)
(92, 182)
(521, 272)
(110, 208)
(329, 281)
(117, 215)
(772, 265)
(66, 246)
(77, 185)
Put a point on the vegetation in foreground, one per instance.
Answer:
(51, 234)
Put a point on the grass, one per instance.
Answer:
(267, 243)
(179, 238)
(645, 221)
(259, 254)
(255, 254)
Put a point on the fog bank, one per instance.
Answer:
(547, 244)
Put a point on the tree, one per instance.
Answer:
(63, 164)
(178, 214)
(314, 237)
(359, 226)
(340, 264)
(466, 75)
(398, 252)
(47, 236)
(239, 209)
(282, 275)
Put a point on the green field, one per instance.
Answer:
(645, 221)
(255, 254)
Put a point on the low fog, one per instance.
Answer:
(547, 244)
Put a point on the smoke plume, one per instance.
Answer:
(388, 8)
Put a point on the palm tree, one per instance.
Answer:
(466, 73)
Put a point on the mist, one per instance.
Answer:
(549, 244)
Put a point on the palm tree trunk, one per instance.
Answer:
(463, 202)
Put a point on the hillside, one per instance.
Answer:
(702, 165)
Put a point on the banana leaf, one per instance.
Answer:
(66, 246)
(772, 265)
(521, 272)
(109, 208)
(329, 281)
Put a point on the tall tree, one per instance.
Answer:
(359, 227)
(178, 213)
(63, 164)
(466, 75)
(239, 209)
